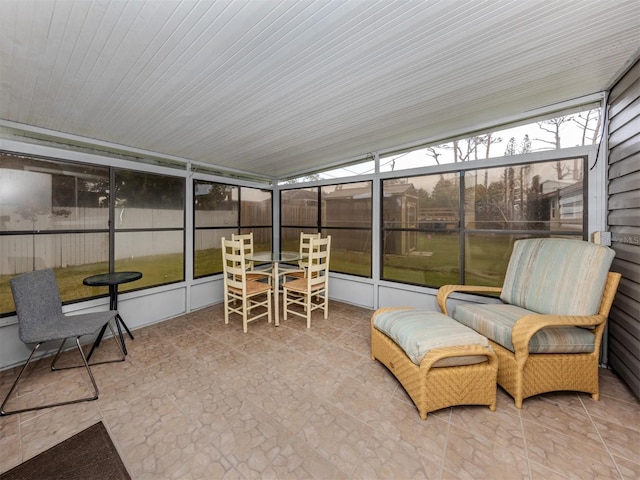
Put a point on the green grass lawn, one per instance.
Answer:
(486, 258)
(435, 261)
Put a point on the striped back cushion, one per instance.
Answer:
(557, 276)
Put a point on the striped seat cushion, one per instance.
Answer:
(419, 331)
(496, 322)
(557, 276)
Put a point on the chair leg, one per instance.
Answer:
(15, 383)
(284, 303)
(245, 306)
(326, 305)
(120, 347)
(4, 412)
(226, 309)
(113, 335)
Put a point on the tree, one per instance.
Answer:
(216, 193)
(433, 153)
(552, 126)
(146, 190)
(445, 194)
(469, 148)
(512, 148)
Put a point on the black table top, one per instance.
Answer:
(111, 278)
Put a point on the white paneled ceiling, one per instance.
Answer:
(277, 88)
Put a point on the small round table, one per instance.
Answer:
(112, 280)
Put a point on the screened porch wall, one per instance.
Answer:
(624, 224)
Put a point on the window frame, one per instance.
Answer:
(501, 162)
(326, 228)
(238, 227)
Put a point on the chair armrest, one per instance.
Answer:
(440, 353)
(257, 275)
(283, 272)
(446, 290)
(387, 309)
(527, 326)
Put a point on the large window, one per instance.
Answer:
(52, 215)
(221, 210)
(572, 129)
(421, 229)
(56, 214)
(460, 227)
(343, 211)
(149, 227)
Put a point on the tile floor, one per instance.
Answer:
(200, 399)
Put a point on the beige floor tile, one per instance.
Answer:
(500, 427)
(568, 421)
(563, 453)
(253, 441)
(285, 402)
(198, 399)
(297, 460)
(622, 441)
(394, 458)
(471, 456)
(51, 426)
(337, 435)
(629, 470)
(10, 443)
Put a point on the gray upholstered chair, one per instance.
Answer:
(40, 320)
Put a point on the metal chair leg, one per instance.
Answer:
(113, 335)
(15, 383)
(4, 412)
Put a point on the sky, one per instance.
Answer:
(570, 135)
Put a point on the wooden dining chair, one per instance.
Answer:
(310, 292)
(300, 271)
(247, 244)
(240, 295)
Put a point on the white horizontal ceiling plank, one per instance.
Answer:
(271, 86)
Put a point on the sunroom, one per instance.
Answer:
(424, 137)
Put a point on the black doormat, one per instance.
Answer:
(88, 455)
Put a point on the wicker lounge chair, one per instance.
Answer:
(547, 332)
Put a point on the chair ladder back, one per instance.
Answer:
(318, 261)
(233, 262)
(305, 239)
(247, 246)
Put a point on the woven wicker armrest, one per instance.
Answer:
(446, 290)
(388, 309)
(437, 354)
(526, 327)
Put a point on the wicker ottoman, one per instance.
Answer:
(458, 367)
